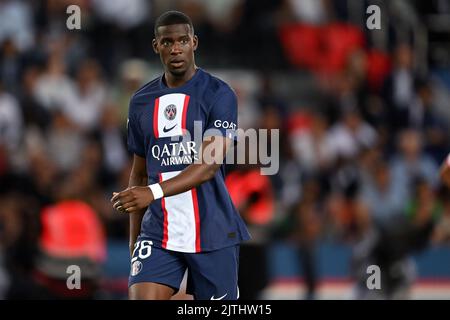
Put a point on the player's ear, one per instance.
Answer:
(155, 46)
(195, 39)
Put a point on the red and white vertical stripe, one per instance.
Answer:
(181, 219)
(161, 124)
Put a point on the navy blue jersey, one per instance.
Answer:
(161, 130)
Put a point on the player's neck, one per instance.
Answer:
(174, 81)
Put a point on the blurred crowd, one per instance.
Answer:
(364, 126)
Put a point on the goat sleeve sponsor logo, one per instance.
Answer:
(225, 124)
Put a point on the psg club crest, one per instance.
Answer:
(136, 267)
(170, 112)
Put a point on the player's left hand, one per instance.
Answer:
(132, 199)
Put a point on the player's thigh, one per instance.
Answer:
(150, 291)
(214, 275)
(155, 272)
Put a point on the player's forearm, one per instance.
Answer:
(136, 198)
(213, 153)
(191, 177)
(137, 179)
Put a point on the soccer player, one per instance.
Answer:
(181, 215)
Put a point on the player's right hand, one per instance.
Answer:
(132, 199)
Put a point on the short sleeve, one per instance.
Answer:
(222, 119)
(135, 138)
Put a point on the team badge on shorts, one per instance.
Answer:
(170, 112)
(136, 267)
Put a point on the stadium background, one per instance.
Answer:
(364, 119)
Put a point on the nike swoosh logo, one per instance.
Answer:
(212, 298)
(165, 130)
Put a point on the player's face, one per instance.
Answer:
(175, 45)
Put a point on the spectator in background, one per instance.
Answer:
(312, 146)
(257, 27)
(272, 120)
(119, 31)
(348, 213)
(63, 142)
(398, 89)
(410, 162)
(85, 104)
(111, 141)
(290, 175)
(42, 172)
(132, 75)
(377, 116)
(378, 193)
(216, 22)
(268, 98)
(346, 90)
(35, 115)
(223, 15)
(423, 115)
(53, 87)
(10, 66)
(249, 113)
(351, 135)
(126, 14)
(426, 119)
(16, 23)
(11, 122)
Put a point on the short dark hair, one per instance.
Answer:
(172, 17)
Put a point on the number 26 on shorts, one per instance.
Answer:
(144, 248)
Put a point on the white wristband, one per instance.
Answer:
(448, 160)
(156, 190)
